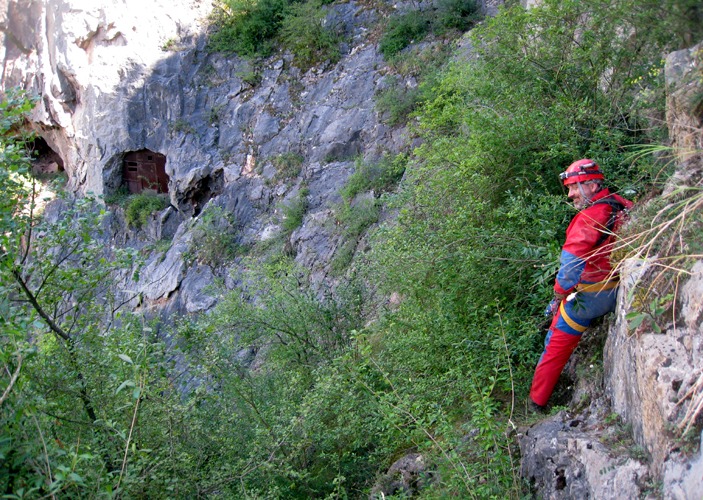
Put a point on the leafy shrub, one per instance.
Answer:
(119, 197)
(481, 212)
(215, 237)
(379, 177)
(402, 30)
(248, 27)
(141, 206)
(396, 102)
(353, 220)
(305, 34)
(405, 29)
(254, 28)
(455, 14)
(339, 398)
(294, 211)
(288, 166)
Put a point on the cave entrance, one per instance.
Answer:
(145, 170)
(44, 159)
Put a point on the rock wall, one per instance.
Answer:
(654, 378)
(94, 64)
(630, 441)
(116, 77)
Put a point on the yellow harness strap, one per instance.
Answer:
(569, 321)
(597, 287)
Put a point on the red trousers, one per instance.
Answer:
(569, 323)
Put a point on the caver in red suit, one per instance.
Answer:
(586, 287)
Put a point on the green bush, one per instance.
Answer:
(380, 176)
(324, 388)
(396, 102)
(353, 220)
(248, 27)
(455, 14)
(254, 29)
(294, 211)
(305, 34)
(141, 206)
(215, 237)
(481, 212)
(412, 27)
(119, 197)
(288, 166)
(402, 30)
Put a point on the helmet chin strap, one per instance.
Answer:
(586, 198)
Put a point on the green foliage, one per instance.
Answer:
(402, 30)
(303, 419)
(481, 212)
(379, 176)
(412, 26)
(353, 220)
(181, 126)
(456, 15)
(294, 211)
(15, 183)
(120, 197)
(141, 206)
(66, 424)
(214, 237)
(288, 166)
(398, 99)
(254, 29)
(305, 33)
(248, 27)
(288, 390)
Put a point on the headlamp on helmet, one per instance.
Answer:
(581, 171)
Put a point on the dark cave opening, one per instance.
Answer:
(203, 190)
(44, 159)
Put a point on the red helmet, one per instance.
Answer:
(581, 171)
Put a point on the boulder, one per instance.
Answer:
(404, 478)
(567, 457)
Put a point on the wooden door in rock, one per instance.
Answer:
(145, 171)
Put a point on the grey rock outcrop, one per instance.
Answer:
(568, 457)
(654, 376)
(405, 477)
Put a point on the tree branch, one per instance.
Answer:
(13, 379)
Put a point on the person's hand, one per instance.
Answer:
(552, 308)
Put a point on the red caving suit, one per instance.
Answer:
(585, 269)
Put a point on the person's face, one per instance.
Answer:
(580, 194)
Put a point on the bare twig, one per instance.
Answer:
(131, 430)
(13, 379)
(46, 453)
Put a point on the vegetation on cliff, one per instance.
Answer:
(92, 406)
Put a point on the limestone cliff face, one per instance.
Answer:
(127, 76)
(630, 441)
(95, 64)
